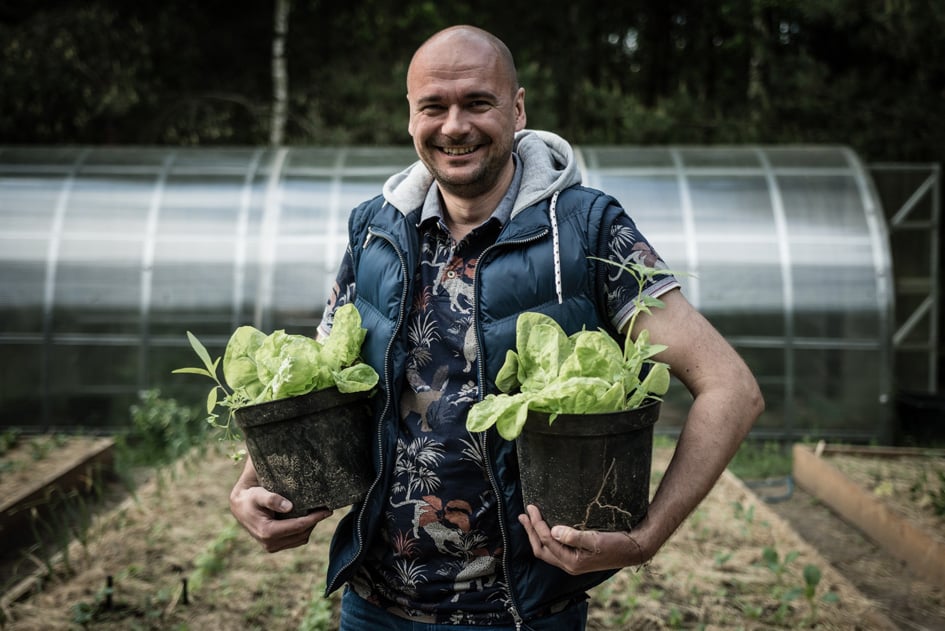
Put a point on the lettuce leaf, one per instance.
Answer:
(553, 373)
(542, 347)
(357, 378)
(239, 361)
(264, 367)
(343, 345)
(507, 412)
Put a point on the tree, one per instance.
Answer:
(280, 77)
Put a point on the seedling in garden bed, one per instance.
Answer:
(8, 440)
(811, 581)
(776, 564)
(930, 492)
(786, 594)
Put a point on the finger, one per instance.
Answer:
(546, 548)
(533, 539)
(273, 501)
(539, 535)
(281, 534)
(542, 530)
(585, 540)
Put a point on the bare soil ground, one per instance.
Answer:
(736, 563)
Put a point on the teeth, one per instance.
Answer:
(458, 151)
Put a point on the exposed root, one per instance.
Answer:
(597, 504)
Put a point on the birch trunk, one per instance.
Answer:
(280, 74)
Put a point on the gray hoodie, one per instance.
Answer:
(548, 163)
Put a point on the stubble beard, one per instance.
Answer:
(481, 181)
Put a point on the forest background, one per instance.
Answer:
(865, 73)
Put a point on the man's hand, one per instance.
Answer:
(580, 551)
(256, 509)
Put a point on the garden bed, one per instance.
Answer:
(734, 563)
(894, 495)
(37, 472)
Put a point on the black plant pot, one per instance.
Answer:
(589, 471)
(313, 449)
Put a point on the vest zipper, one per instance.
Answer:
(388, 380)
(484, 436)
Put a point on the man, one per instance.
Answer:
(489, 223)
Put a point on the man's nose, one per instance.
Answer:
(456, 123)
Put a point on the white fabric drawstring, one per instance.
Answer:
(557, 252)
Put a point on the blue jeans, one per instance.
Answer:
(358, 614)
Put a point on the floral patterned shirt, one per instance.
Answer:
(438, 557)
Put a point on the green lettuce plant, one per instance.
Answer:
(258, 368)
(583, 373)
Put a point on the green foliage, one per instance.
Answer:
(162, 430)
(928, 489)
(8, 440)
(258, 368)
(175, 72)
(775, 563)
(757, 460)
(212, 560)
(744, 514)
(786, 594)
(84, 613)
(318, 614)
(585, 373)
(41, 446)
(812, 577)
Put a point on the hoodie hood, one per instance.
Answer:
(548, 166)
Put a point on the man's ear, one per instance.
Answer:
(520, 117)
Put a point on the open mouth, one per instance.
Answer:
(459, 151)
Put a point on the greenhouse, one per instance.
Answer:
(109, 255)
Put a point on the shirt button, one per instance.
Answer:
(451, 274)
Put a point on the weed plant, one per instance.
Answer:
(318, 615)
(162, 430)
(758, 460)
(928, 489)
(8, 440)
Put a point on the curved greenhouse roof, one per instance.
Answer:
(108, 255)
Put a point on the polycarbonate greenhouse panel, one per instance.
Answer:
(109, 255)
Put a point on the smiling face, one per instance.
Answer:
(465, 107)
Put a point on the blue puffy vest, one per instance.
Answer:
(514, 275)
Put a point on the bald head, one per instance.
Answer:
(455, 42)
(465, 109)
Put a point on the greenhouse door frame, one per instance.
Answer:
(909, 337)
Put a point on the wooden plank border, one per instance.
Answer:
(76, 473)
(923, 554)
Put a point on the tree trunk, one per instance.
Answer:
(280, 74)
(757, 93)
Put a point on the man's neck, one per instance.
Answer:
(463, 214)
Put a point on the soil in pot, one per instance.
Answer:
(589, 471)
(314, 449)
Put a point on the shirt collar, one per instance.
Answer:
(433, 203)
